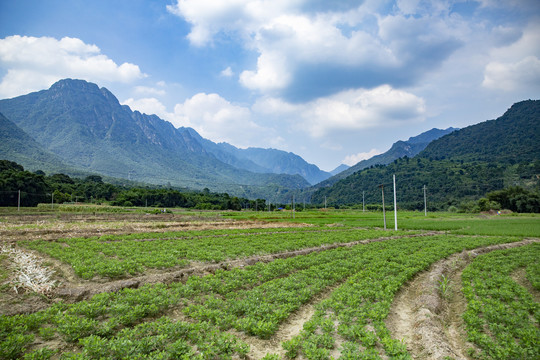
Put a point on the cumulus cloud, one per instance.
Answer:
(356, 158)
(311, 49)
(149, 106)
(516, 66)
(512, 76)
(217, 119)
(348, 111)
(360, 109)
(35, 63)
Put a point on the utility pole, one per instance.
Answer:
(363, 203)
(383, 210)
(293, 206)
(395, 204)
(52, 201)
(425, 202)
(19, 201)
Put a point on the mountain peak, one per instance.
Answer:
(74, 84)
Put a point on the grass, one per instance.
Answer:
(527, 225)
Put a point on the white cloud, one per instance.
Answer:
(360, 109)
(227, 72)
(36, 63)
(304, 45)
(347, 112)
(513, 76)
(149, 106)
(516, 66)
(217, 119)
(356, 158)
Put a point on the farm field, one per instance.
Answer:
(124, 284)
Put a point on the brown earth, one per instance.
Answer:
(428, 319)
(70, 225)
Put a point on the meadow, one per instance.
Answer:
(316, 284)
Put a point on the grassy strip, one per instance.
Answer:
(466, 224)
(502, 317)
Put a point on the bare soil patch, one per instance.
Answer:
(428, 318)
(67, 225)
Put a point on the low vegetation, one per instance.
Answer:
(225, 314)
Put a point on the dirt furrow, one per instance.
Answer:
(426, 313)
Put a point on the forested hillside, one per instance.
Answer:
(456, 169)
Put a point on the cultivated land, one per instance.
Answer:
(82, 282)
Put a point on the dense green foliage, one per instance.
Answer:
(511, 139)
(60, 188)
(513, 198)
(502, 317)
(399, 149)
(458, 169)
(13, 179)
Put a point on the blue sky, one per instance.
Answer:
(332, 81)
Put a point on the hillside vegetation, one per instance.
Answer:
(458, 168)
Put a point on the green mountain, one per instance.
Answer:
(18, 146)
(86, 127)
(399, 149)
(461, 166)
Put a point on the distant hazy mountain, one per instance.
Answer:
(339, 169)
(462, 165)
(85, 126)
(261, 160)
(399, 149)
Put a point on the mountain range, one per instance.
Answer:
(399, 149)
(76, 126)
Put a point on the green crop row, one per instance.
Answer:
(255, 300)
(502, 317)
(120, 256)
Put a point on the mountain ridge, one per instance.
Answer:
(400, 148)
(87, 127)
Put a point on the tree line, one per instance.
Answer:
(36, 187)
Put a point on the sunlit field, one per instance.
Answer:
(318, 284)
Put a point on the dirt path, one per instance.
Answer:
(428, 317)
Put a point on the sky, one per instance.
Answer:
(332, 81)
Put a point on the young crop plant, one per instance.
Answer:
(502, 317)
(255, 300)
(119, 256)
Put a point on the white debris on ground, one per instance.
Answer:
(29, 272)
